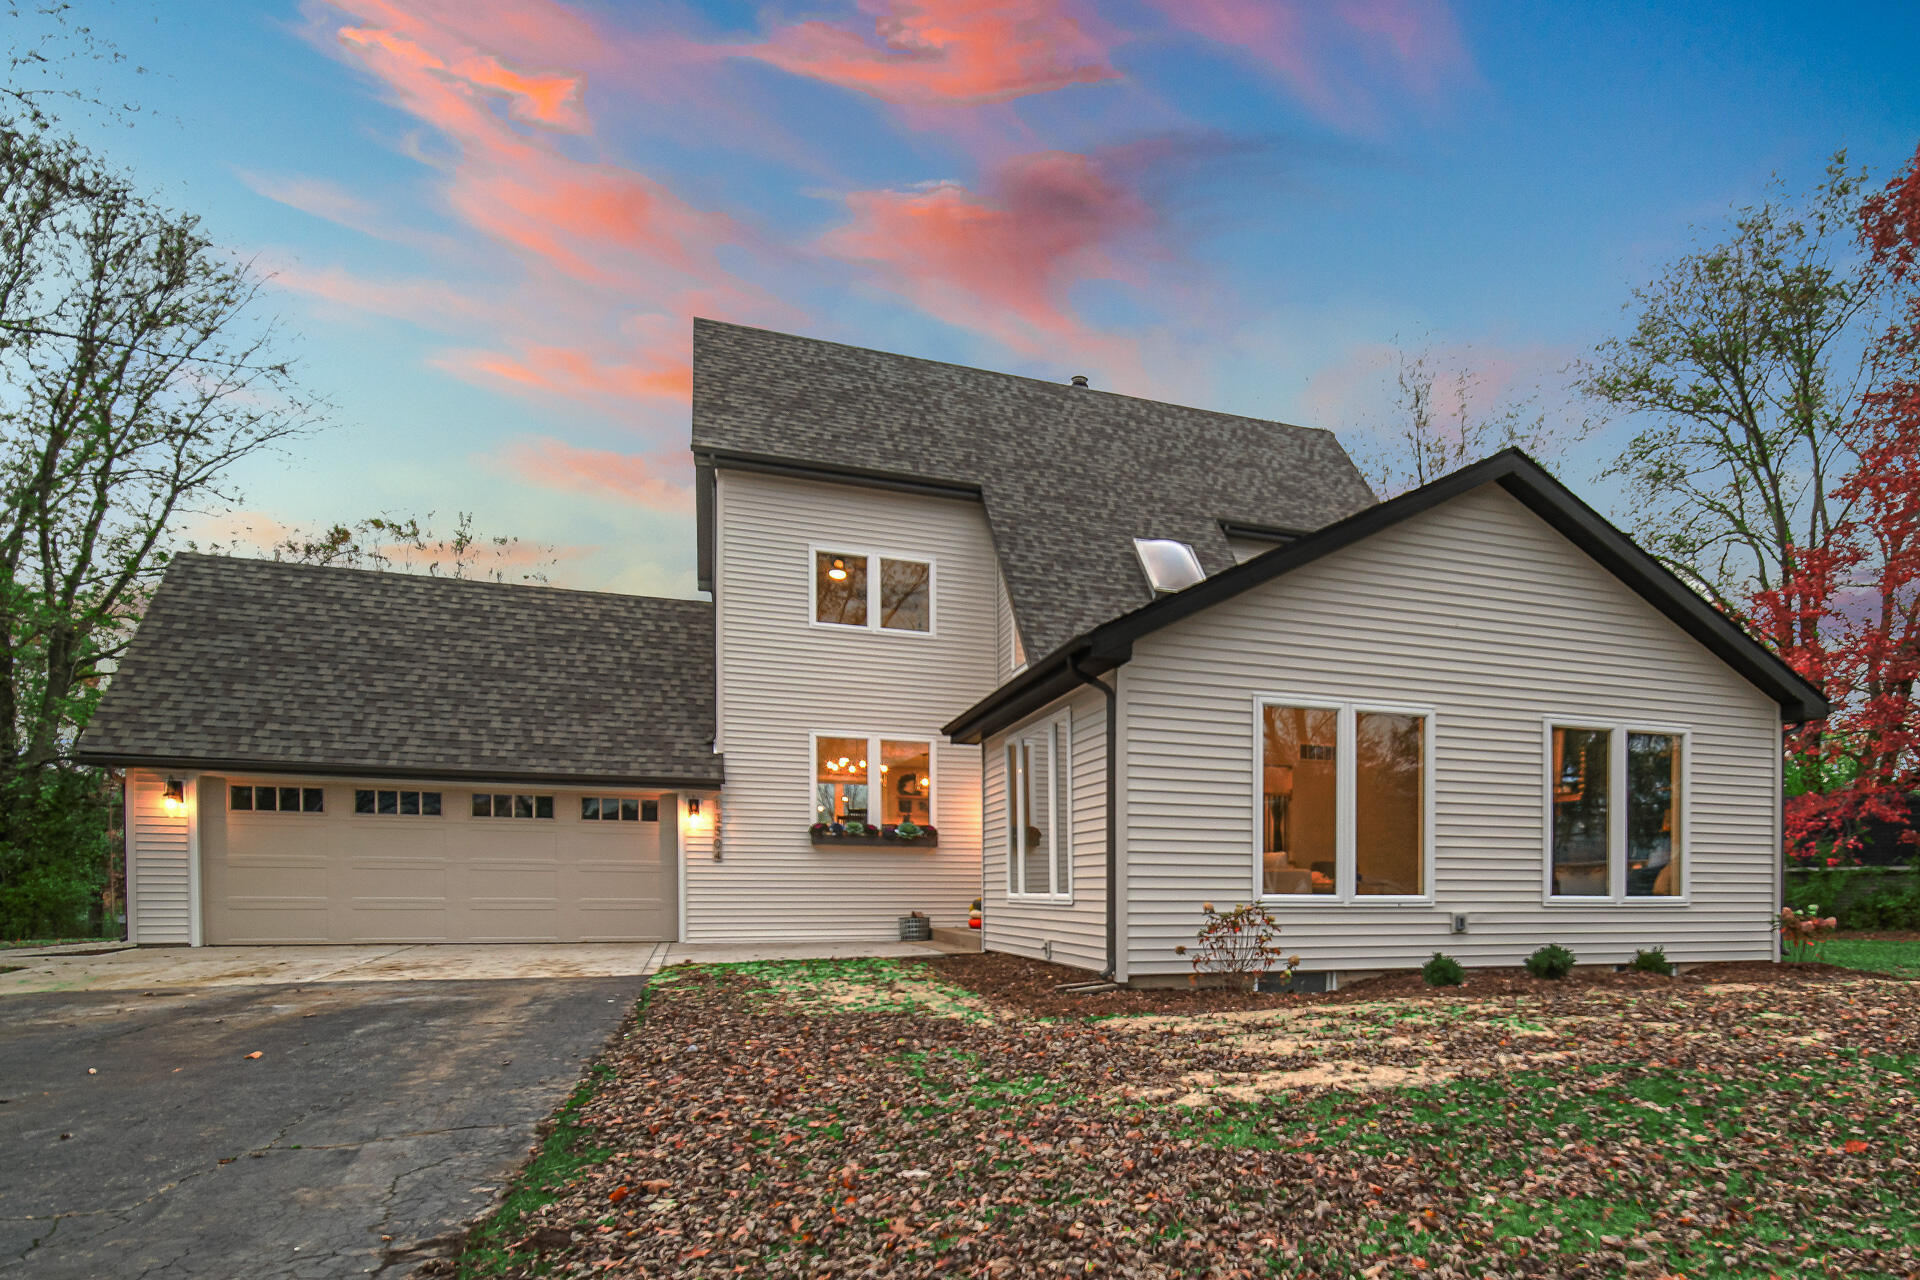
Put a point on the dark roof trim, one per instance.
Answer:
(1513, 471)
(713, 458)
(310, 768)
(1264, 532)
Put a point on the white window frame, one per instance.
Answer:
(873, 558)
(1054, 732)
(1616, 895)
(873, 741)
(1346, 772)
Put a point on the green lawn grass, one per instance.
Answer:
(1877, 955)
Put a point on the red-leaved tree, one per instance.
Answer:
(1853, 604)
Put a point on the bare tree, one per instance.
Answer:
(407, 544)
(1437, 425)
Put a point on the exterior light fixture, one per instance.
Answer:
(176, 794)
(693, 806)
(837, 570)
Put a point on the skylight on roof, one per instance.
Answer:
(1170, 565)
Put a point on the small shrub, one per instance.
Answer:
(1802, 936)
(1238, 946)
(1652, 960)
(1443, 971)
(856, 828)
(1550, 961)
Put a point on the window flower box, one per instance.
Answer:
(853, 833)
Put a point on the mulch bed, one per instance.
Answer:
(1031, 986)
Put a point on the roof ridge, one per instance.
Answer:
(1011, 377)
(296, 566)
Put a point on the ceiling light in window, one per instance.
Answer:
(837, 570)
(1170, 565)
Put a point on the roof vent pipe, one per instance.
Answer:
(1079, 379)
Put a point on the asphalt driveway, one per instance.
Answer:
(138, 1138)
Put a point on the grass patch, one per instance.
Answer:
(1874, 955)
(1573, 1129)
(489, 1249)
(864, 985)
(10, 944)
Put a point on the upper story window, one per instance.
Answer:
(874, 592)
(1615, 831)
(1170, 565)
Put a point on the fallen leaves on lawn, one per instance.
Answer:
(1697, 1129)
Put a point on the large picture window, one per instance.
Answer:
(1039, 812)
(1614, 813)
(1345, 800)
(877, 780)
(872, 592)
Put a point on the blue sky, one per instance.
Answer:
(491, 220)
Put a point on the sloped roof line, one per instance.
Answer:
(1102, 648)
(268, 665)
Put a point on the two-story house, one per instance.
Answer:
(1091, 659)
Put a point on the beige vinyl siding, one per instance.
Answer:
(783, 679)
(1003, 632)
(1245, 549)
(159, 862)
(1482, 612)
(1077, 929)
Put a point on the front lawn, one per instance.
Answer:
(1897, 955)
(879, 1118)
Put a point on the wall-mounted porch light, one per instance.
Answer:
(693, 806)
(175, 796)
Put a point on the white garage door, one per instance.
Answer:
(287, 860)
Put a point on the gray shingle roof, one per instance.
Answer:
(257, 663)
(1069, 475)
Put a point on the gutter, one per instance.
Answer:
(1113, 807)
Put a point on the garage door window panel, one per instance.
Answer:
(396, 803)
(510, 805)
(247, 798)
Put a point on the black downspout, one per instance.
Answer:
(1113, 809)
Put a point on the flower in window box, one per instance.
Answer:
(819, 829)
(856, 828)
(908, 831)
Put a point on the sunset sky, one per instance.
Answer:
(491, 220)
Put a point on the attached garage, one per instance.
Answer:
(322, 755)
(390, 861)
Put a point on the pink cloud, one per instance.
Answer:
(650, 480)
(603, 224)
(418, 300)
(923, 52)
(1002, 259)
(1342, 59)
(552, 370)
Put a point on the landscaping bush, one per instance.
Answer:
(1858, 898)
(1237, 947)
(1652, 960)
(1550, 961)
(1443, 971)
